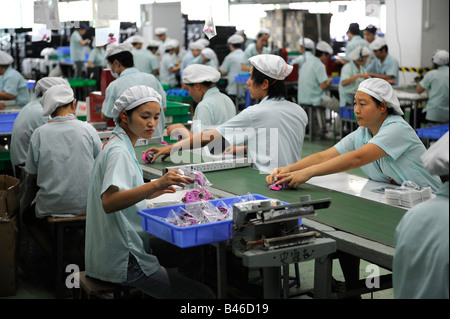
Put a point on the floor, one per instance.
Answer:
(39, 286)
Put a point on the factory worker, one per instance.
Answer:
(195, 49)
(120, 251)
(355, 40)
(143, 59)
(385, 66)
(153, 46)
(96, 56)
(436, 82)
(121, 64)
(260, 47)
(207, 57)
(420, 266)
(370, 35)
(313, 82)
(213, 108)
(305, 49)
(384, 146)
(272, 131)
(78, 49)
(60, 156)
(13, 85)
(161, 34)
(231, 65)
(352, 74)
(170, 67)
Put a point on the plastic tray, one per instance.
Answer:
(8, 117)
(174, 108)
(346, 112)
(433, 132)
(188, 236)
(172, 119)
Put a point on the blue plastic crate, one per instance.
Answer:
(346, 112)
(242, 78)
(433, 132)
(8, 117)
(192, 235)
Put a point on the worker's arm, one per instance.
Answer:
(6, 96)
(419, 88)
(245, 67)
(352, 79)
(177, 129)
(362, 156)
(325, 85)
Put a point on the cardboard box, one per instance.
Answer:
(9, 197)
(8, 257)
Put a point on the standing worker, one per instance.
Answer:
(78, 50)
(144, 60)
(370, 35)
(260, 47)
(13, 85)
(161, 34)
(169, 66)
(231, 65)
(355, 40)
(385, 66)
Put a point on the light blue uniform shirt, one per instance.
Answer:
(388, 67)
(188, 57)
(14, 83)
(273, 131)
(404, 148)
(214, 109)
(165, 76)
(232, 66)
(198, 60)
(128, 78)
(346, 93)
(436, 82)
(62, 154)
(145, 61)
(355, 42)
(77, 51)
(420, 266)
(110, 238)
(252, 51)
(312, 73)
(97, 57)
(29, 118)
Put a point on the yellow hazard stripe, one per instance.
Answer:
(418, 70)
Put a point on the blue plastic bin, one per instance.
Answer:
(7, 122)
(192, 235)
(346, 112)
(433, 132)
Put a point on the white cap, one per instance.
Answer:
(208, 53)
(309, 44)
(55, 97)
(203, 41)
(154, 43)
(324, 47)
(235, 39)
(115, 49)
(263, 31)
(377, 44)
(45, 83)
(271, 65)
(440, 57)
(198, 73)
(435, 159)
(134, 97)
(382, 91)
(196, 46)
(358, 52)
(5, 58)
(171, 44)
(135, 39)
(159, 31)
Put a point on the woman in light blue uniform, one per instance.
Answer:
(169, 66)
(231, 65)
(253, 49)
(13, 85)
(306, 50)
(117, 248)
(436, 82)
(272, 131)
(207, 57)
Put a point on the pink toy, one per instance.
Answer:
(279, 186)
(148, 157)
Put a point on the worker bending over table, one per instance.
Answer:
(273, 130)
(384, 145)
(117, 248)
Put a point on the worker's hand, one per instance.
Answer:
(177, 131)
(364, 75)
(164, 151)
(168, 190)
(235, 150)
(172, 178)
(294, 178)
(2, 106)
(270, 179)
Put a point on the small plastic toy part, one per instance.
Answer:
(147, 157)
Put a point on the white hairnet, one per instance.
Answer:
(56, 96)
(203, 41)
(115, 49)
(271, 65)
(159, 31)
(135, 39)
(134, 97)
(5, 58)
(324, 47)
(154, 43)
(382, 91)
(440, 57)
(235, 39)
(359, 52)
(377, 44)
(435, 159)
(45, 83)
(196, 46)
(198, 73)
(263, 31)
(171, 44)
(307, 42)
(208, 53)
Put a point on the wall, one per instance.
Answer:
(166, 15)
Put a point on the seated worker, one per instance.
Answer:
(352, 74)
(436, 82)
(355, 40)
(260, 47)
(370, 35)
(121, 64)
(144, 60)
(385, 66)
(385, 147)
(420, 266)
(305, 49)
(207, 57)
(13, 85)
(231, 65)
(272, 130)
(169, 66)
(214, 108)
(30, 118)
(117, 249)
(313, 82)
(60, 156)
